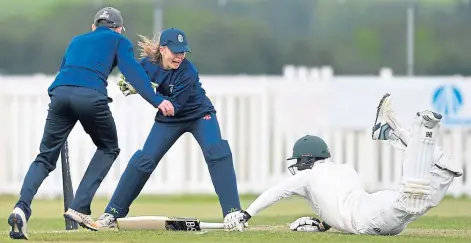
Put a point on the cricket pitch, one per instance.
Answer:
(450, 222)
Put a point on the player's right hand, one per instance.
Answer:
(309, 224)
(167, 108)
(236, 220)
(125, 87)
(234, 225)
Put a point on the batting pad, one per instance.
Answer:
(416, 196)
(419, 152)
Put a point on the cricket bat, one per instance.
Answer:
(165, 223)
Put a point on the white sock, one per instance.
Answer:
(399, 138)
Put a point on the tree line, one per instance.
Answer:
(258, 36)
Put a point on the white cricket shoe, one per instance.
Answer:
(429, 118)
(83, 220)
(385, 121)
(19, 228)
(107, 220)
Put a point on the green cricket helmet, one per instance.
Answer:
(306, 151)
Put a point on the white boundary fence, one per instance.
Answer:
(261, 116)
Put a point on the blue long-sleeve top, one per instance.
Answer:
(91, 57)
(182, 87)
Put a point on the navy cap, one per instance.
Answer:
(110, 14)
(175, 40)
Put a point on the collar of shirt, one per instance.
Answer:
(102, 28)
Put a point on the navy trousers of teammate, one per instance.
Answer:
(162, 136)
(68, 105)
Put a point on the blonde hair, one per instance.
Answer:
(150, 48)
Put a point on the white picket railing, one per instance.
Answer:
(260, 116)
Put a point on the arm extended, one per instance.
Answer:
(295, 185)
(292, 185)
(135, 74)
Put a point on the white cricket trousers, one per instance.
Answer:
(382, 213)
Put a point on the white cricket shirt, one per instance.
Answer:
(332, 200)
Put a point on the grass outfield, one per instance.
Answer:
(450, 222)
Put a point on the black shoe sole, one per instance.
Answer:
(377, 113)
(13, 221)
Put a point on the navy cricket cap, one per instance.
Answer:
(175, 40)
(110, 14)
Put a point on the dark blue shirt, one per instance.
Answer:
(183, 88)
(90, 58)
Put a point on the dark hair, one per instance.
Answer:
(104, 22)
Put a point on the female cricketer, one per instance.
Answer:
(79, 93)
(336, 194)
(177, 81)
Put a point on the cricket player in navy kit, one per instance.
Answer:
(79, 93)
(177, 81)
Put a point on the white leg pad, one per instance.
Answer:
(416, 196)
(419, 152)
(419, 187)
(399, 139)
(416, 188)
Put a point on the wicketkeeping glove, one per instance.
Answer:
(309, 224)
(127, 89)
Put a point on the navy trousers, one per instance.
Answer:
(216, 151)
(69, 104)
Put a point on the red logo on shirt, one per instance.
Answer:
(207, 117)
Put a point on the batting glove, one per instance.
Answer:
(236, 220)
(309, 224)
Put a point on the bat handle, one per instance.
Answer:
(206, 225)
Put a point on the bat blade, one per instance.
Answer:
(164, 223)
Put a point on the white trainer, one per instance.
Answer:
(385, 121)
(18, 223)
(107, 220)
(83, 220)
(429, 118)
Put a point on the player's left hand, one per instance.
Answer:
(236, 220)
(309, 224)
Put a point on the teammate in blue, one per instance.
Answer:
(79, 93)
(178, 81)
